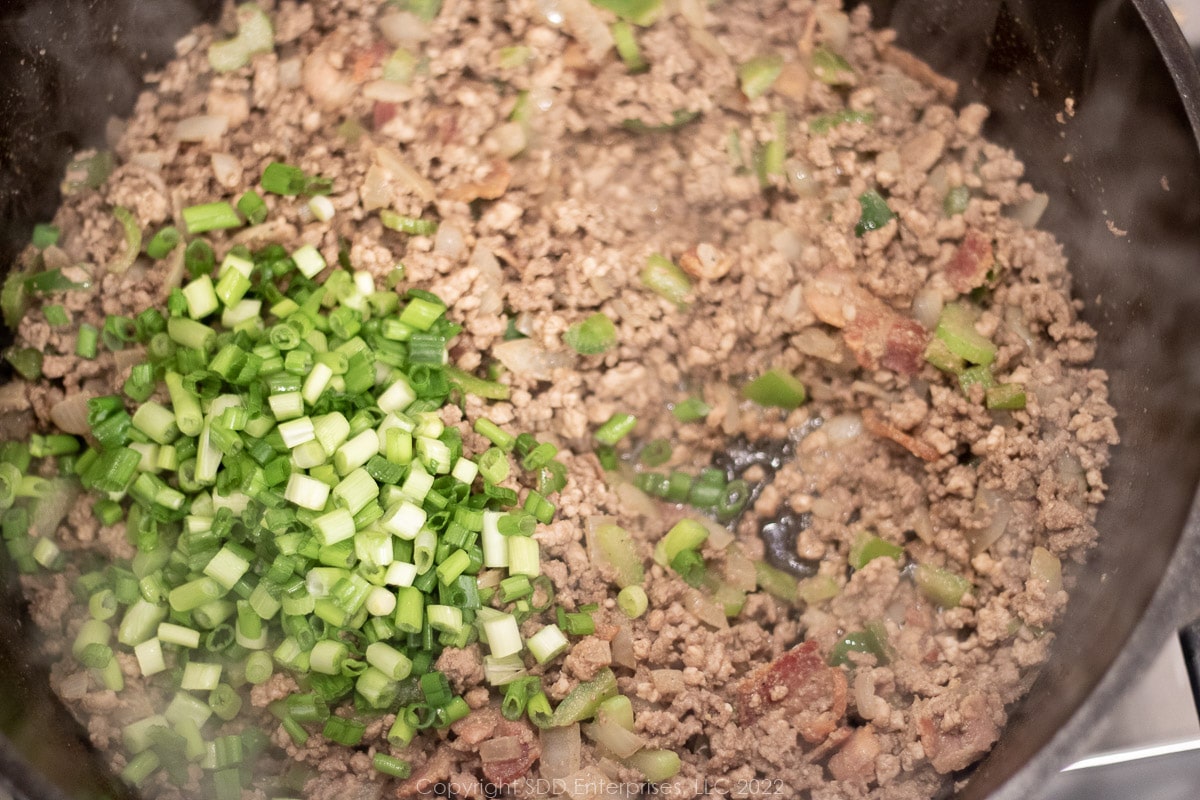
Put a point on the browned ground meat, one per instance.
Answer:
(557, 217)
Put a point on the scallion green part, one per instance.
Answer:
(210, 217)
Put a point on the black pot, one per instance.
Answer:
(1123, 174)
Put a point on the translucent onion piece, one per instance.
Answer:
(927, 307)
(200, 128)
(527, 357)
(994, 506)
(502, 748)
(1045, 566)
(69, 415)
(1029, 212)
(843, 428)
(705, 609)
(560, 751)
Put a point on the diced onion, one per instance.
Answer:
(448, 241)
(622, 649)
(74, 686)
(719, 536)
(583, 21)
(799, 174)
(996, 507)
(374, 192)
(835, 28)
(388, 91)
(203, 127)
(635, 501)
(1014, 320)
(509, 139)
(927, 307)
(705, 609)
(396, 169)
(561, 749)
(818, 344)
(1029, 212)
(490, 278)
(527, 357)
(403, 27)
(1045, 566)
(70, 414)
(739, 570)
(843, 428)
(226, 169)
(789, 244)
(608, 733)
(502, 748)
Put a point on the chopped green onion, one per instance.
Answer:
(632, 601)
(390, 765)
(831, 69)
(593, 336)
(44, 236)
(759, 73)
(940, 585)
(615, 429)
(656, 766)
(668, 281)
(1005, 396)
(627, 47)
(867, 547)
(956, 329)
(255, 35)
(413, 226)
(163, 242)
(547, 644)
(875, 213)
(346, 732)
(210, 217)
(691, 409)
(585, 699)
(956, 201)
(776, 389)
(252, 207)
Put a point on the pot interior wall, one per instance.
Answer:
(1123, 176)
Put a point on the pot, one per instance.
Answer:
(1098, 97)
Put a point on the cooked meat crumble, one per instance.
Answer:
(547, 216)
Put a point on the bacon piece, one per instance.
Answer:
(921, 72)
(830, 296)
(434, 771)
(476, 727)
(492, 186)
(366, 60)
(877, 335)
(381, 114)
(969, 267)
(505, 772)
(885, 430)
(812, 694)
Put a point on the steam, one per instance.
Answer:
(68, 66)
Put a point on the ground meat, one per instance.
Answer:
(526, 137)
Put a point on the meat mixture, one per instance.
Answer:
(824, 206)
